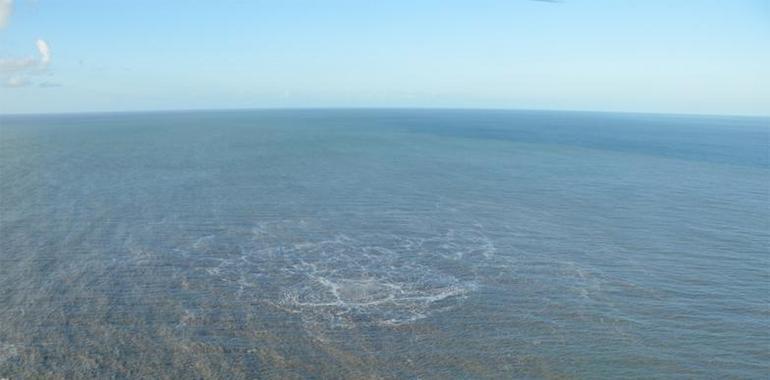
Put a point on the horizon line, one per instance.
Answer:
(376, 108)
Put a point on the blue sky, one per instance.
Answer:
(693, 56)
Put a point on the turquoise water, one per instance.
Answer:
(384, 244)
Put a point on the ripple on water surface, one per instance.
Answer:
(342, 282)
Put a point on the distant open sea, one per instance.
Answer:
(368, 244)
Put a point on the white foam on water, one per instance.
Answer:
(344, 283)
(7, 352)
(379, 298)
(187, 317)
(203, 242)
(380, 279)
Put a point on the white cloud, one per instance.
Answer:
(12, 65)
(16, 69)
(6, 8)
(17, 64)
(16, 82)
(45, 51)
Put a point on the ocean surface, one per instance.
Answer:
(368, 244)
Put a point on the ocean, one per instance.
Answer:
(384, 244)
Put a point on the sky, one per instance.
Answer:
(663, 56)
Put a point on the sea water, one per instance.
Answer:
(425, 244)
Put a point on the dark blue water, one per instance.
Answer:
(384, 244)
